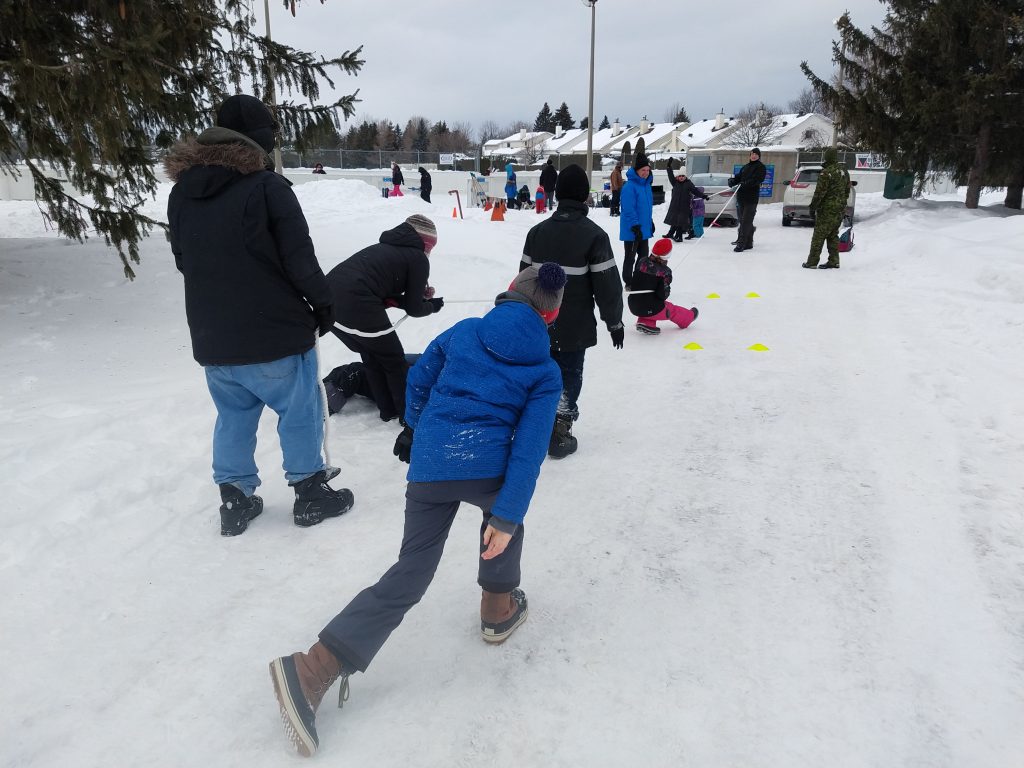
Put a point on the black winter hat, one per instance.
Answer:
(572, 184)
(249, 116)
(756, 151)
(640, 161)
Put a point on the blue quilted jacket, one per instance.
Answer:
(482, 402)
(636, 206)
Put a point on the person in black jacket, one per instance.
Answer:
(679, 215)
(749, 182)
(583, 250)
(255, 298)
(392, 273)
(548, 180)
(425, 184)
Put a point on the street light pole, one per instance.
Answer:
(590, 110)
(271, 96)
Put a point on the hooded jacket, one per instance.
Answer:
(548, 179)
(394, 269)
(481, 401)
(426, 185)
(636, 206)
(583, 250)
(239, 237)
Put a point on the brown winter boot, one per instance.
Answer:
(300, 682)
(501, 613)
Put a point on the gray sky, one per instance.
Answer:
(474, 60)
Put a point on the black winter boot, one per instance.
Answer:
(315, 500)
(562, 442)
(237, 510)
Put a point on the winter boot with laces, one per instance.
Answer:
(562, 442)
(237, 510)
(501, 613)
(300, 682)
(315, 500)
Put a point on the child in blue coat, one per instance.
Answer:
(480, 407)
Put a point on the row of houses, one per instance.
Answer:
(799, 130)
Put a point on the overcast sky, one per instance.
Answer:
(477, 60)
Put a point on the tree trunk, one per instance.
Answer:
(1014, 188)
(976, 177)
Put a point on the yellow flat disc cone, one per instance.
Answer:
(693, 345)
(758, 348)
(753, 295)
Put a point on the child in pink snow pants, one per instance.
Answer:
(652, 279)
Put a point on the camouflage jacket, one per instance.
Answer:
(831, 192)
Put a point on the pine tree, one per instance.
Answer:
(936, 88)
(89, 88)
(584, 122)
(422, 141)
(604, 124)
(563, 118)
(545, 120)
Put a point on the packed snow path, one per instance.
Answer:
(805, 556)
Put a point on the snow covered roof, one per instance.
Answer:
(655, 133)
(700, 133)
(566, 141)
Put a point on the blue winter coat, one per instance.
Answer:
(482, 403)
(636, 206)
(510, 181)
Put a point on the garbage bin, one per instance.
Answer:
(658, 193)
(898, 185)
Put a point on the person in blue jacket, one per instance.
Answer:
(511, 190)
(636, 218)
(480, 406)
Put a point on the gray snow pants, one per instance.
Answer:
(357, 633)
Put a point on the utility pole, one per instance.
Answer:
(271, 97)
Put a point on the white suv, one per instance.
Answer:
(800, 189)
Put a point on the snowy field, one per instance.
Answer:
(805, 557)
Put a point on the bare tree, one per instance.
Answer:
(677, 114)
(758, 124)
(489, 129)
(809, 101)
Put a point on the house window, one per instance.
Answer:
(808, 134)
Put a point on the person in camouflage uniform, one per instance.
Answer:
(828, 206)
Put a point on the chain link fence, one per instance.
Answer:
(359, 158)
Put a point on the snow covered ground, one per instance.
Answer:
(807, 556)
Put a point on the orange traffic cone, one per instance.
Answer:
(498, 213)
(455, 213)
(488, 206)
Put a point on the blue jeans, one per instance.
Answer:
(571, 365)
(291, 388)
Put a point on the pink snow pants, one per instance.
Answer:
(678, 315)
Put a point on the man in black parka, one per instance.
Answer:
(583, 250)
(255, 298)
(549, 180)
(392, 273)
(748, 181)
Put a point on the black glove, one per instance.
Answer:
(618, 336)
(638, 234)
(732, 183)
(706, 197)
(324, 319)
(671, 162)
(403, 445)
(437, 302)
